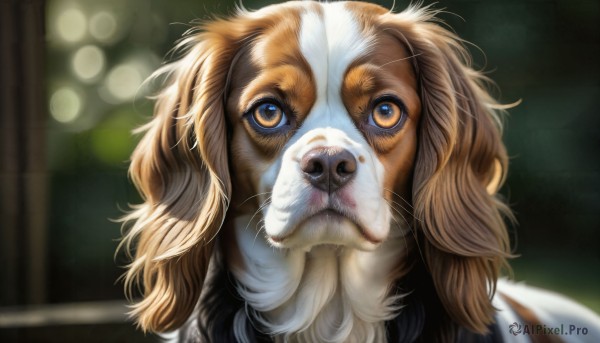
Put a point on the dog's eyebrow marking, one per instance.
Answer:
(289, 80)
(360, 79)
(316, 138)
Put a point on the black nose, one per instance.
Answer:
(328, 169)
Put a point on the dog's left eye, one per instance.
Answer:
(386, 114)
(268, 115)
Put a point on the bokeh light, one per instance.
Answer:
(65, 105)
(123, 82)
(71, 25)
(103, 26)
(88, 62)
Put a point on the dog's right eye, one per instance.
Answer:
(267, 116)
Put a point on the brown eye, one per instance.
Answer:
(385, 115)
(268, 116)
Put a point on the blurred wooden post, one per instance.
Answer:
(23, 178)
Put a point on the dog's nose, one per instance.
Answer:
(328, 169)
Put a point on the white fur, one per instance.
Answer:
(505, 317)
(329, 54)
(552, 310)
(329, 294)
(324, 282)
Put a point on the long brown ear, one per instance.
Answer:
(181, 169)
(459, 151)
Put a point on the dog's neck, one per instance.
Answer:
(324, 293)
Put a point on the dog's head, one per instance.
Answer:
(340, 124)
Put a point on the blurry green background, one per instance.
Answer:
(543, 52)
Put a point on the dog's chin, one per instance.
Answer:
(327, 227)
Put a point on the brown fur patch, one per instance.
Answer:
(366, 14)
(387, 70)
(272, 67)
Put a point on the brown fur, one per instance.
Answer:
(466, 242)
(181, 169)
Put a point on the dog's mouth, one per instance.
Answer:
(332, 219)
(331, 214)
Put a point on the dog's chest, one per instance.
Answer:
(328, 293)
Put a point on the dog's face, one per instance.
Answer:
(324, 129)
(321, 124)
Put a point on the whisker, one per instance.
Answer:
(398, 212)
(404, 239)
(260, 208)
(253, 196)
(397, 222)
(402, 207)
(399, 196)
(400, 59)
(261, 228)
(413, 232)
(406, 210)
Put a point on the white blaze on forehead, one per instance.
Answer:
(330, 41)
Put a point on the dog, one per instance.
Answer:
(328, 172)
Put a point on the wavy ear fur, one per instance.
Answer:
(460, 151)
(181, 169)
